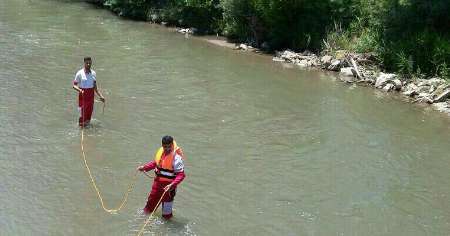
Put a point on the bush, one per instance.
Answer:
(409, 36)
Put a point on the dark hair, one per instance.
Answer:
(87, 59)
(167, 139)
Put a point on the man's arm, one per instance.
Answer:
(75, 84)
(98, 92)
(78, 89)
(178, 178)
(149, 166)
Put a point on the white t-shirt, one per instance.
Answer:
(84, 80)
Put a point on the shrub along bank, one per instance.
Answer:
(411, 37)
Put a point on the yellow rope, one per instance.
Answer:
(148, 219)
(130, 187)
(124, 200)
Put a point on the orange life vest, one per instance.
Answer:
(164, 163)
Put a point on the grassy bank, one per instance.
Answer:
(411, 37)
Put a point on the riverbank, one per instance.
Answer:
(357, 69)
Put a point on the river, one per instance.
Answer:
(270, 150)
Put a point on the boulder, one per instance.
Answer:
(383, 78)
(288, 55)
(302, 63)
(428, 82)
(335, 65)
(410, 90)
(326, 60)
(424, 89)
(424, 97)
(443, 96)
(388, 87)
(242, 47)
(440, 90)
(436, 82)
(347, 71)
(315, 62)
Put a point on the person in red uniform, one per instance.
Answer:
(85, 83)
(169, 170)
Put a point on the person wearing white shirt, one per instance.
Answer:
(85, 83)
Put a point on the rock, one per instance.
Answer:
(388, 87)
(289, 55)
(432, 88)
(164, 23)
(242, 47)
(443, 96)
(326, 60)
(309, 57)
(410, 89)
(424, 89)
(410, 93)
(428, 82)
(355, 67)
(440, 90)
(347, 71)
(435, 82)
(370, 80)
(369, 74)
(315, 62)
(183, 31)
(302, 63)
(364, 58)
(154, 17)
(397, 83)
(278, 59)
(424, 97)
(335, 65)
(442, 107)
(383, 78)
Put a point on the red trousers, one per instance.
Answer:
(156, 193)
(86, 105)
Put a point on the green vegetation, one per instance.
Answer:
(408, 36)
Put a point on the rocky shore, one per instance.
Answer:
(363, 69)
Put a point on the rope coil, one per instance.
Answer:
(99, 195)
(125, 197)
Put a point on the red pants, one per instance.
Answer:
(156, 193)
(85, 105)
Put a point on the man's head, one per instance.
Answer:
(167, 143)
(87, 63)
